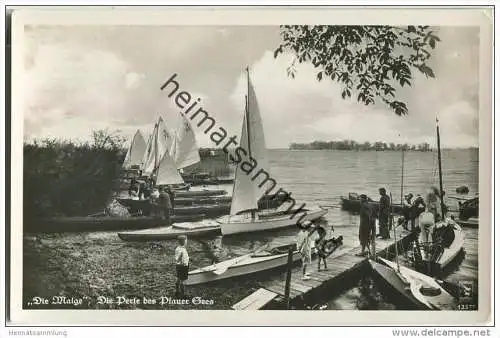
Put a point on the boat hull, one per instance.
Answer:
(354, 205)
(442, 300)
(469, 208)
(448, 254)
(270, 223)
(169, 232)
(394, 288)
(209, 206)
(246, 267)
(470, 223)
(99, 223)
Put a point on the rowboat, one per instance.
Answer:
(411, 289)
(207, 228)
(100, 223)
(352, 203)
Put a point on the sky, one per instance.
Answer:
(83, 78)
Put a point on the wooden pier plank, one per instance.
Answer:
(256, 300)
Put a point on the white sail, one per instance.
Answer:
(135, 151)
(247, 193)
(150, 156)
(165, 138)
(184, 149)
(167, 171)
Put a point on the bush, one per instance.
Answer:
(62, 178)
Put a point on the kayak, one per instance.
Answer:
(262, 259)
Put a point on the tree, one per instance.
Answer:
(367, 60)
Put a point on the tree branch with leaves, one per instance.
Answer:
(368, 61)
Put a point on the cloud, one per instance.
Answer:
(82, 78)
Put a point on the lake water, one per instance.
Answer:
(89, 265)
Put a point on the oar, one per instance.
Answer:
(222, 267)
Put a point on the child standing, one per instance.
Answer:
(320, 244)
(304, 247)
(181, 266)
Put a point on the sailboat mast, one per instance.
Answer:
(402, 171)
(247, 116)
(440, 170)
(155, 168)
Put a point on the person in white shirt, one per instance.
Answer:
(304, 247)
(181, 266)
(427, 225)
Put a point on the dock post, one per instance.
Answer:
(289, 267)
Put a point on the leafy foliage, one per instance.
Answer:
(369, 61)
(64, 178)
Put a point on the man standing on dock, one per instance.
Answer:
(383, 214)
(366, 225)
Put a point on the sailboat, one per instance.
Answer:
(135, 151)
(246, 192)
(409, 288)
(184, 149)
(245, 198)
(447, 238)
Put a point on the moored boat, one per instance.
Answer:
(468, 208)
(199, 229)
(446, 239)
(411, 289)
(247, 192)
(447, 242)
(352, 203)
(262, 259)
(472, 222)
(100, 223)
(276, 221)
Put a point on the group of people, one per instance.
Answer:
(161, 199)
(417, 214)
(368, 214)
(324, 247)
(426, 212)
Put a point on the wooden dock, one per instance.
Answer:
(344, 267)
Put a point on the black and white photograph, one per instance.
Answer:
(237, 166)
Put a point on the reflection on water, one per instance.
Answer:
(100, 263)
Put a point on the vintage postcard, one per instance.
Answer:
(216, 165)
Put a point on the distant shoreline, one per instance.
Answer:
(350, 145)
